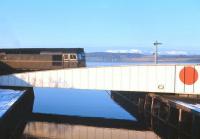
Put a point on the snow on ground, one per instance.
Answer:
(194, 107)
(7, 99)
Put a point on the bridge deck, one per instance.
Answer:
(181, 79)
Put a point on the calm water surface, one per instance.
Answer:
(86, 103)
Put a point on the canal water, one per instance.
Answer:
(84, 103)
(86, 114)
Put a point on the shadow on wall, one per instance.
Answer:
(12, 80)
(7, 70)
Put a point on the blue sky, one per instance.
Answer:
(101, 25)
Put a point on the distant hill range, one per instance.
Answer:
(131, 57)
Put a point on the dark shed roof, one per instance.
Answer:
(38, 50)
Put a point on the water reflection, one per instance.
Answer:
(69, 127)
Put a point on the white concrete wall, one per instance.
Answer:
(144, 78)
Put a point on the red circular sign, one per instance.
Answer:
(188, 75)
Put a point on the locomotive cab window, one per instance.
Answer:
(72, 56)
(65, 57)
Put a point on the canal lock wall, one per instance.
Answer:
(161, 113)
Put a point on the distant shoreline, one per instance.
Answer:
(129, 57)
